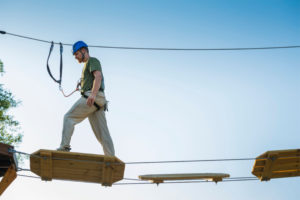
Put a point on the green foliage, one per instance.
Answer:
(9, 128)
(1, 67)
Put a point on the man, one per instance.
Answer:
(91, 104)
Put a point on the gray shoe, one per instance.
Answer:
(66, 149)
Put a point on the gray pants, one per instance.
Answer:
(78, 113)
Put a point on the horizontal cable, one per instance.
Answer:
(127, 179)
(170, 182)
(142, 162)
(27, 176)
(185, 161)
(22, 169)
(178, 182)
(132, 179)
(18, 152)
(160, 49)
(136, 179)
(199, 181)
(153, 162)
(194, 49)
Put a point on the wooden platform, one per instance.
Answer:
(160, 178)
(277, 164)
(49, 164)
(8, 166)
(6, 158)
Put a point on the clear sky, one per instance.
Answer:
(163, 105)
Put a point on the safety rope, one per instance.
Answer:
(65, 95)
(61, 64)
(60, 70)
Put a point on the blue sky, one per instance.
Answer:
(163, 105)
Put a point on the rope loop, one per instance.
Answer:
(61, 64)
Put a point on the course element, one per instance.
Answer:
(49, 164)
(8, 166)
(160, 178)
(277, 164)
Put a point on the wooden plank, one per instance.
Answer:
(288, 161)
(7, 179)
(82, 172)
(92, 176)
(75, 155)
(76, 165)
(80, 167)
(285, 174)
(77, 174)
(159, 178)
(288, 153)
(46, 166)
(76, 170)
(79, 157)
(282, 153)
(286, 166)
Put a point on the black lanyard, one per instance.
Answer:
(61, 64)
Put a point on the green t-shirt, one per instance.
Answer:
(87, 77)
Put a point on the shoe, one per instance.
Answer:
(66, 149)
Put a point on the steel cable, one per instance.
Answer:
(158, 48)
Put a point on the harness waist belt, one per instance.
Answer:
(95, 104)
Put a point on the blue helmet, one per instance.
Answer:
(78, 45)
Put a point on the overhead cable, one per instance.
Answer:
(158, 48)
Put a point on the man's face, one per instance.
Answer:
(78, 56)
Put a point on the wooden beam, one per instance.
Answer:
(107, 171)
(46, 166)
(8, 178)
(267, 173)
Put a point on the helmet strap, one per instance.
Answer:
(82, 54)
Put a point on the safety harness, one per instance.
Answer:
(60, 77)
(95, 104)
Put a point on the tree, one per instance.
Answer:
(9, 127)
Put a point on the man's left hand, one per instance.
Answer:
(91, 99)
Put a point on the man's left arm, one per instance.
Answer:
(96, 86)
